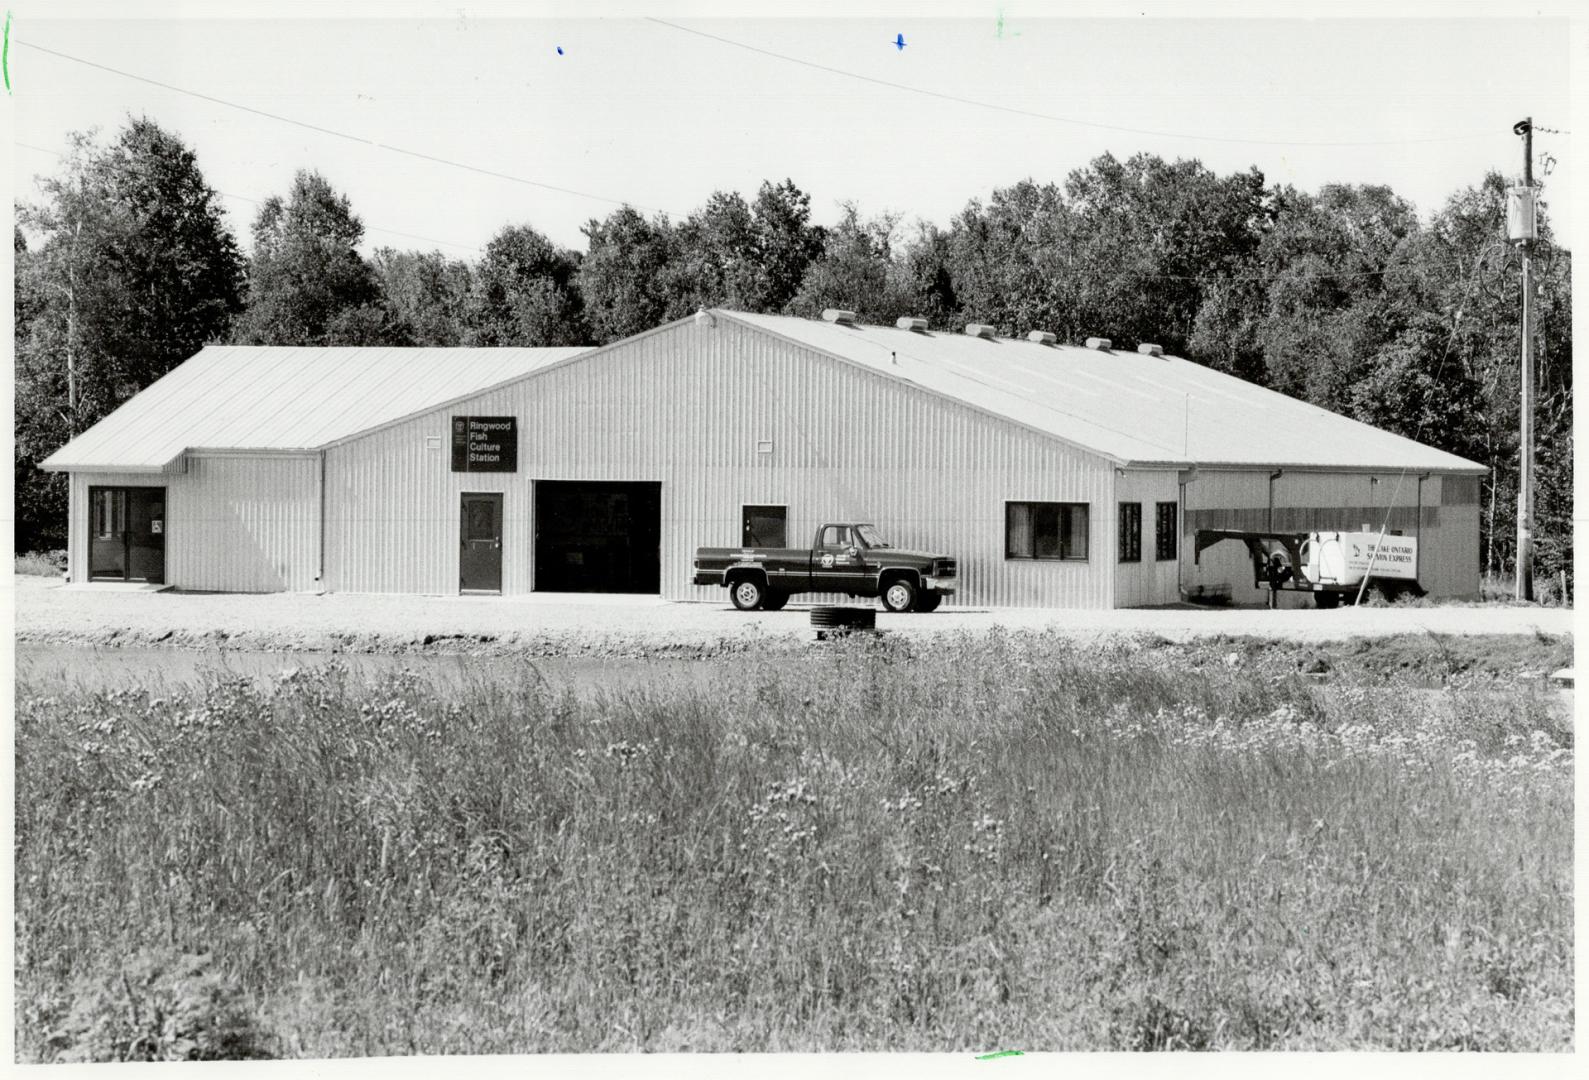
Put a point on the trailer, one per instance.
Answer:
(1330, 565)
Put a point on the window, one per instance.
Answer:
(766, 526)
(1034, 530)
(836, 536)
(110, 513)
(1130, 532)
(1165, 532)
(871, 537)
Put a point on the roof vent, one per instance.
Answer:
(907, 323)
(1149, 349)
(981, 330)
(1102, 344)
(840, 316)
(1042, 337)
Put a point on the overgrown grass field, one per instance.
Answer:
(991, 843)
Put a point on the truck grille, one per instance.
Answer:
(943, 568)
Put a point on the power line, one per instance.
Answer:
(338, 134)
(1050, 116)
(258, 202)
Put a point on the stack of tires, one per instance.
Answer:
(828, 621)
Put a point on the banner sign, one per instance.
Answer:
(1397, 556)
(485, 444)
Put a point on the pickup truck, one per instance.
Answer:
(844, 557)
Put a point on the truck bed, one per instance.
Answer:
(786, 567)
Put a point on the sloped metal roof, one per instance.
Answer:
(271, 398)
(1134, 408)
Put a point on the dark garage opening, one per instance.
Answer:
(598, 536)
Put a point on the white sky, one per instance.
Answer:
(637, 111)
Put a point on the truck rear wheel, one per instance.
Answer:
(1327, 600)
(748, 594)
(899, 596)
(775, 600)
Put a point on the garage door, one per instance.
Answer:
(598, 536)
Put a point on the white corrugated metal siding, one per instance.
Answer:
(234, 524)
(1150, 581)
(687, 406)
(245, 524)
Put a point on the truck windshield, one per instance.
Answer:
(870, 536)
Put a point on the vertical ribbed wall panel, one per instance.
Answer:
(245, 524)
(233, 524)
(687, 406)
(1149, 581)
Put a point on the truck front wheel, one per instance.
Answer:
(899, 596)
(929, 601)
(748, 594)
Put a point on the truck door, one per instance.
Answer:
(838, 563)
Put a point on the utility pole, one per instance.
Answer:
(1524, 234)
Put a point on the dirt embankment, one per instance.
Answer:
(1446, 639)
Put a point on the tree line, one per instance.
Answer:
(1343, 297)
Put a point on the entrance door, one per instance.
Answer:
(766, 527)
(126, 534)
(480, 551)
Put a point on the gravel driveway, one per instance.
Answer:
(48, 612)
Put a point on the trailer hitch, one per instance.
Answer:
(1265, 548)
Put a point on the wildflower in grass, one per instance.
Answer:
(473, 870)
(625, 751)
(146, 782)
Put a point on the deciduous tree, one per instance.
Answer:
(428, 294)
(130, 270)
(307, 282)
(526, 292)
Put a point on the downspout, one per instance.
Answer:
(1184, 477)
(320, 570)
(1114, 548)
(1274, 597)
(1417, 555)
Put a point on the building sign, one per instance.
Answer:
(485, 444)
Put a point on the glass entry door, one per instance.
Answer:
(126, 534)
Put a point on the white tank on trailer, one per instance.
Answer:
(1345, 558)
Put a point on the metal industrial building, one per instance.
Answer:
(1058, 476)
